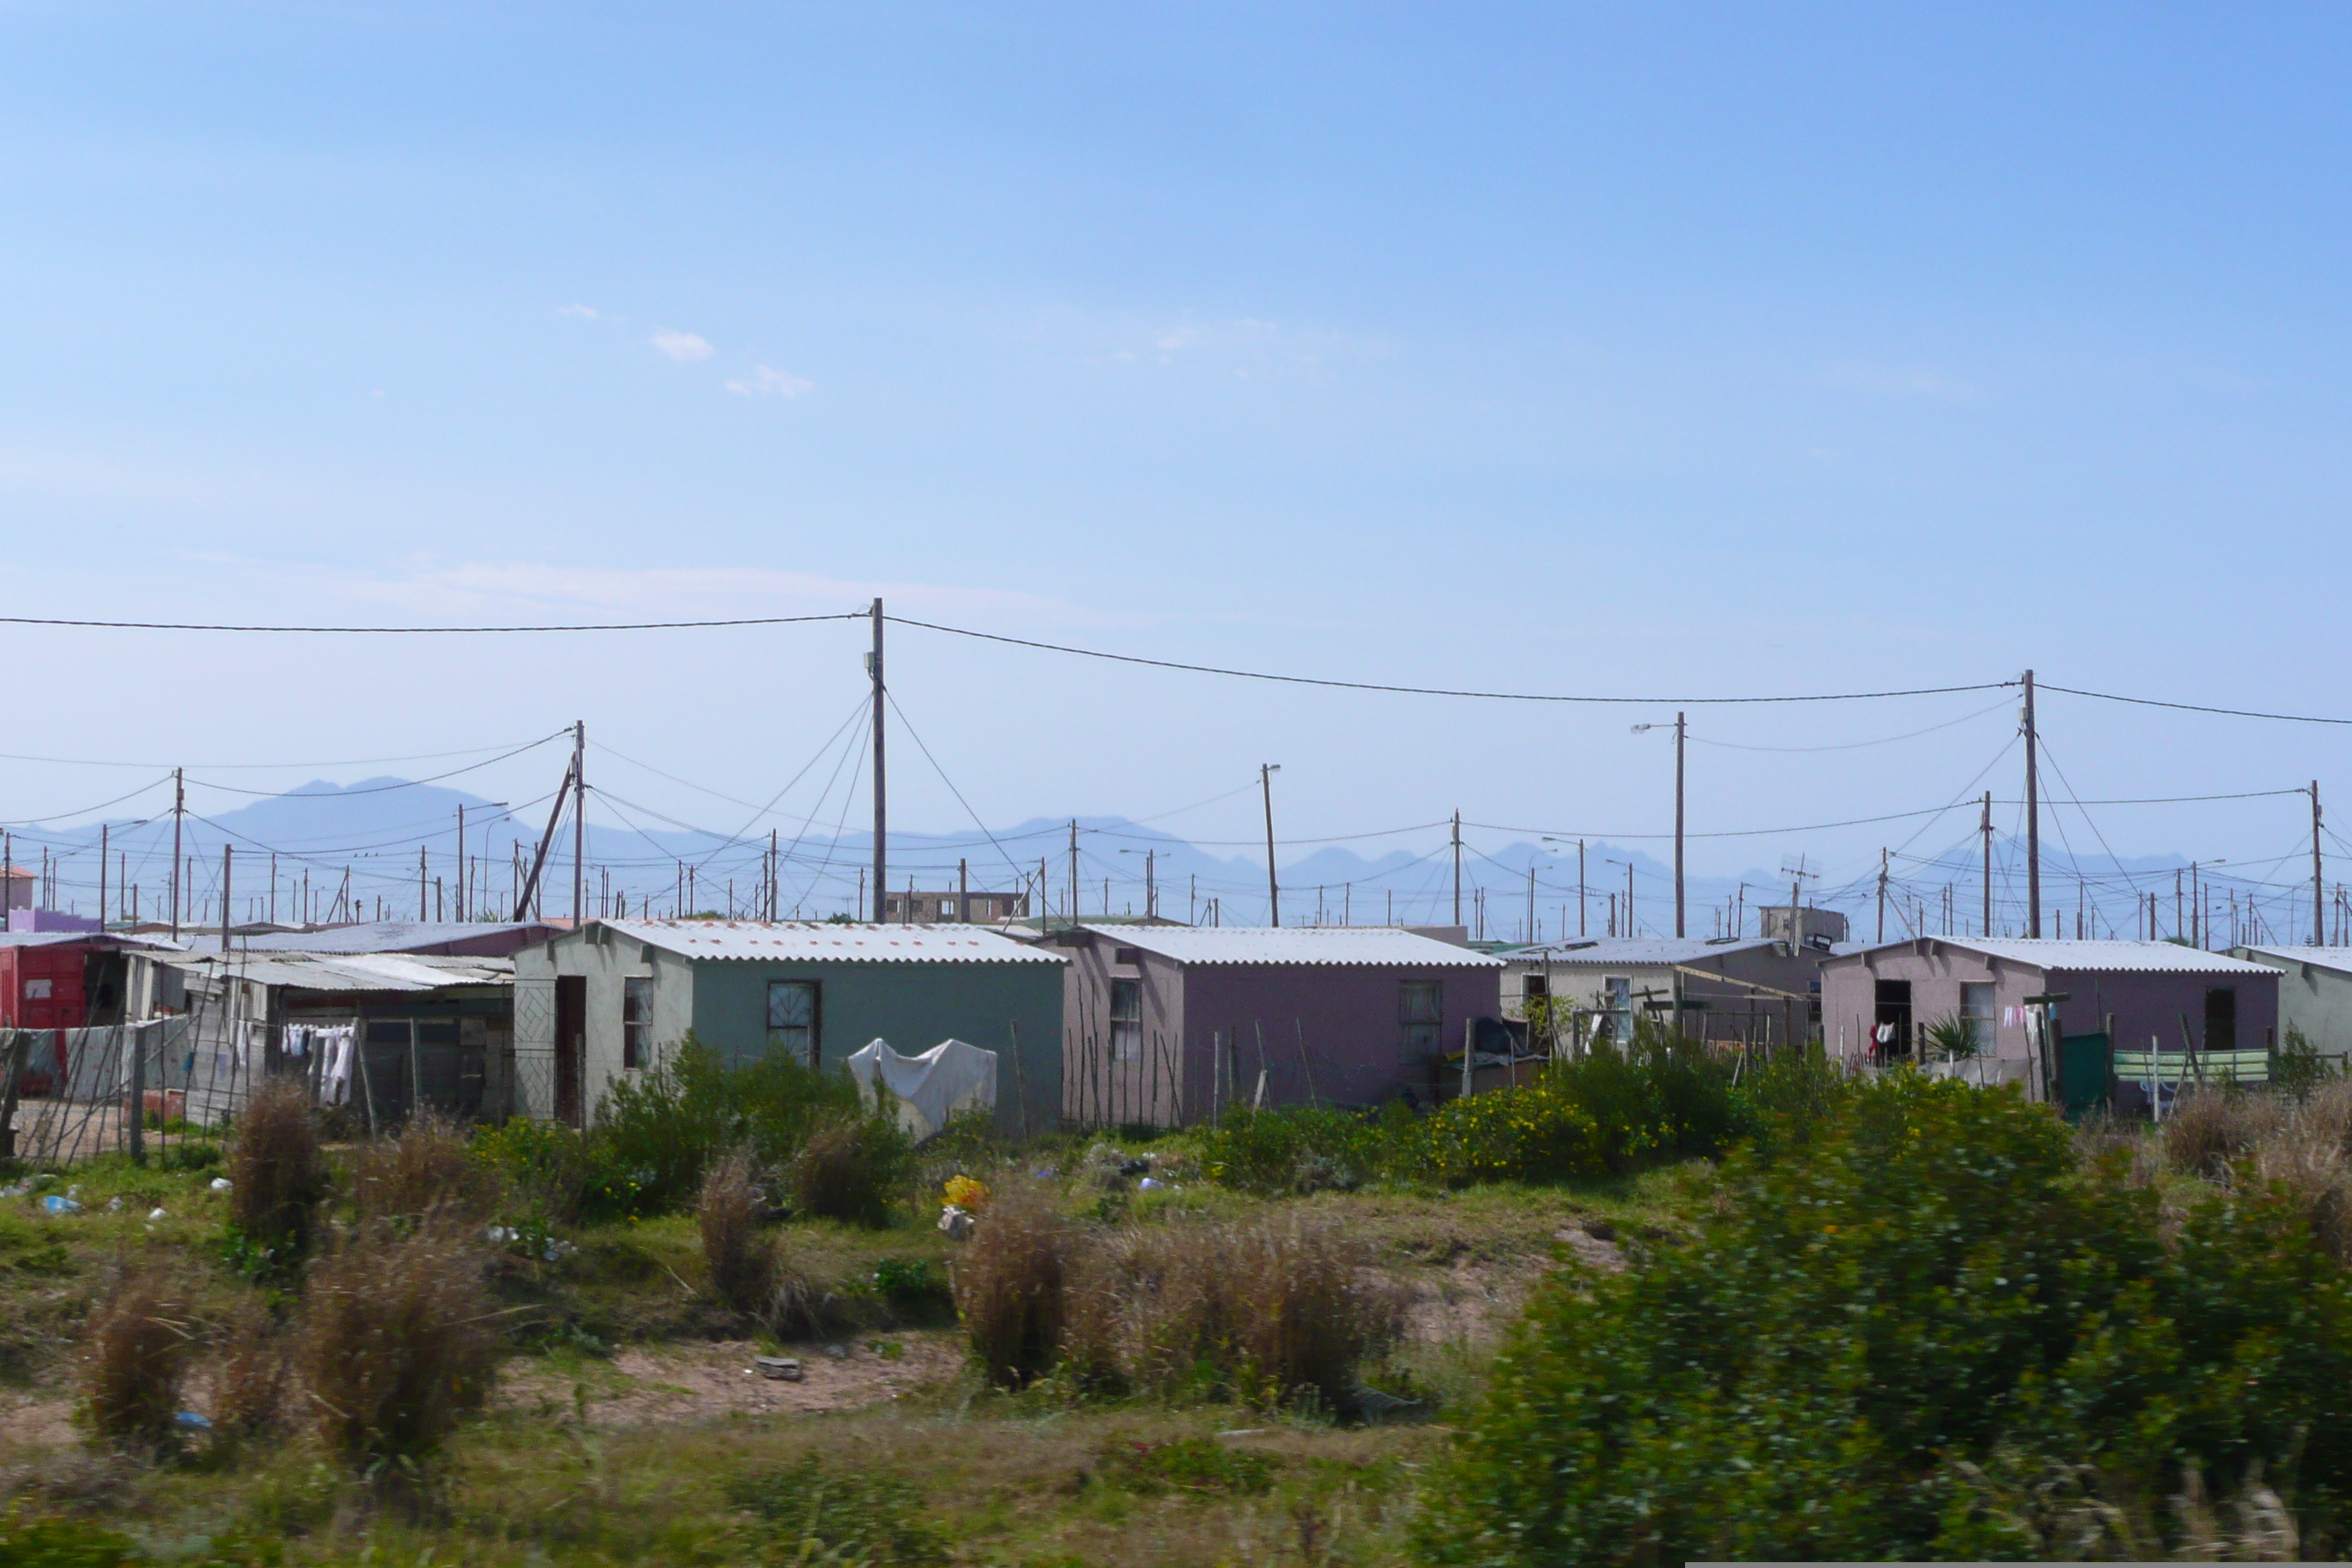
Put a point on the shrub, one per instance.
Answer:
(135, 1361)
(1194, 1465)
(664, 1126)
(1931, 1289)
(396, 1345)
(250, 1387)
(1010, 1285)
(848, 1168)
(742, 1262)
(428, 1168)
(554, 1172)
(1785, 1099)
(1532, 1134)
(30, 1542)
(276, 1174)
(1294, 1149)
(2296, 1066)
(2209, 1129)
(816, 1514)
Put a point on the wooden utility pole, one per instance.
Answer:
(1580, 900)
(1681, 733)
(1531, 901)
(1074, 873)
(1882, 902)
(578, 822)
(2319, 921)
(1457, 867)
(881, 795)
(1266, 772)
(2032, 818)
(422, 894)
(964, 889)
(459, 906)
(1984, 828)
(179, 809)
(101, 878)
(228, 915)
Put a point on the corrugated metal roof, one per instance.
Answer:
(346, 971)
(1386, 946)
(102, 939)
(1633, 951)
(382, 936)
(2336, 958)
(808, 941)
(2114, 957)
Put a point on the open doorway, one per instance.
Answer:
(570, 1045)
(1892, 1038)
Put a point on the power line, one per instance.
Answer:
(1434, 690)
(425, 631)
(2193, 707)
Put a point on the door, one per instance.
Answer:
(570, 1045)
(1893, 1037)
(2082, 1067)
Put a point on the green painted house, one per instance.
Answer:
(604, 1001)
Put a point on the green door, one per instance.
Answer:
(2082, 1072)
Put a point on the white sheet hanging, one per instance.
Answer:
(951, 1076)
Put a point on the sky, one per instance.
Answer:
(1660, 351)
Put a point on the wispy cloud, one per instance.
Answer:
(684, 347)
(765, 381)
(586, 313)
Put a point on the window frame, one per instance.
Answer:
(811, 1052)
(636, 1022)
(1421, 1038)
(1126, 1026)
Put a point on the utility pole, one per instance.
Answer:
(228, 915)
(1580, 900)
(1457, 867)
(1531, 901)
(421, 891)
(179, 808)
(1681, 733)
(1266, 772)
(460, 905)
(881, 795)
(1882, 902)
(1151, 886)
(1074, 873)
(2318, 921)
(578, 822)
(2032, 818)
(1984, 826)
(102, 876)
(964, 889)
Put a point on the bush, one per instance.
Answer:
(1868, 1333)
(2209, 1129)
(1198, 1466)
(742, 1262)
(814, 1514)
(848, 1168)
(663, 1127)
(1293, 1150)
(1785, 1099)
(428, 1168)
(2296, 1066)
(396, 1345)
(277, 1176)
(250, 1388)
(136, 1360)
(554, 1172)
(1010, 1285)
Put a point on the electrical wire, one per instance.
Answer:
(1857, 745)
(427, 631)
(892, 698)
(404, 783)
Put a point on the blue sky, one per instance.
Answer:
(1614, 349)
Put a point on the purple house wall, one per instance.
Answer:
(1320, 1011)
(2145, 988)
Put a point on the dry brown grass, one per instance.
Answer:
(256, 1376)
(1266, 1312)
(844, 1170)
(743, 1261)
(426, 1169)
(136, 1360)
(276, 1173)
(395, 1342)
(2209, 1130)
(1011, 1283)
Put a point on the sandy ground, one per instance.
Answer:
(677, 1384)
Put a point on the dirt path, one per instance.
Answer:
(679, 1384)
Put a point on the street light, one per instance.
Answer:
(1266, 772)
(1579, 880)
(1150, 894)
(1681, 736)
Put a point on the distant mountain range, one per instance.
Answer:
(343, 851)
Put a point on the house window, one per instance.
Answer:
(2221, 1018)
(1127, 1020)
(636, 1022)
(1126, 955)
(1977, 1013)
(1617, 992)
(791, 1019)
(1421, 1019)
(947, 909)
(1536, 987)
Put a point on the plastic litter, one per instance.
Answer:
(957, 1223)
(501, 1233)
(1150, 1185)
(192, 1421)
(56, 1204)
(220, 1183)
(836, 1353)
(114, 1206)
(153, 1214)
(780, 1368)
(15, 1190)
